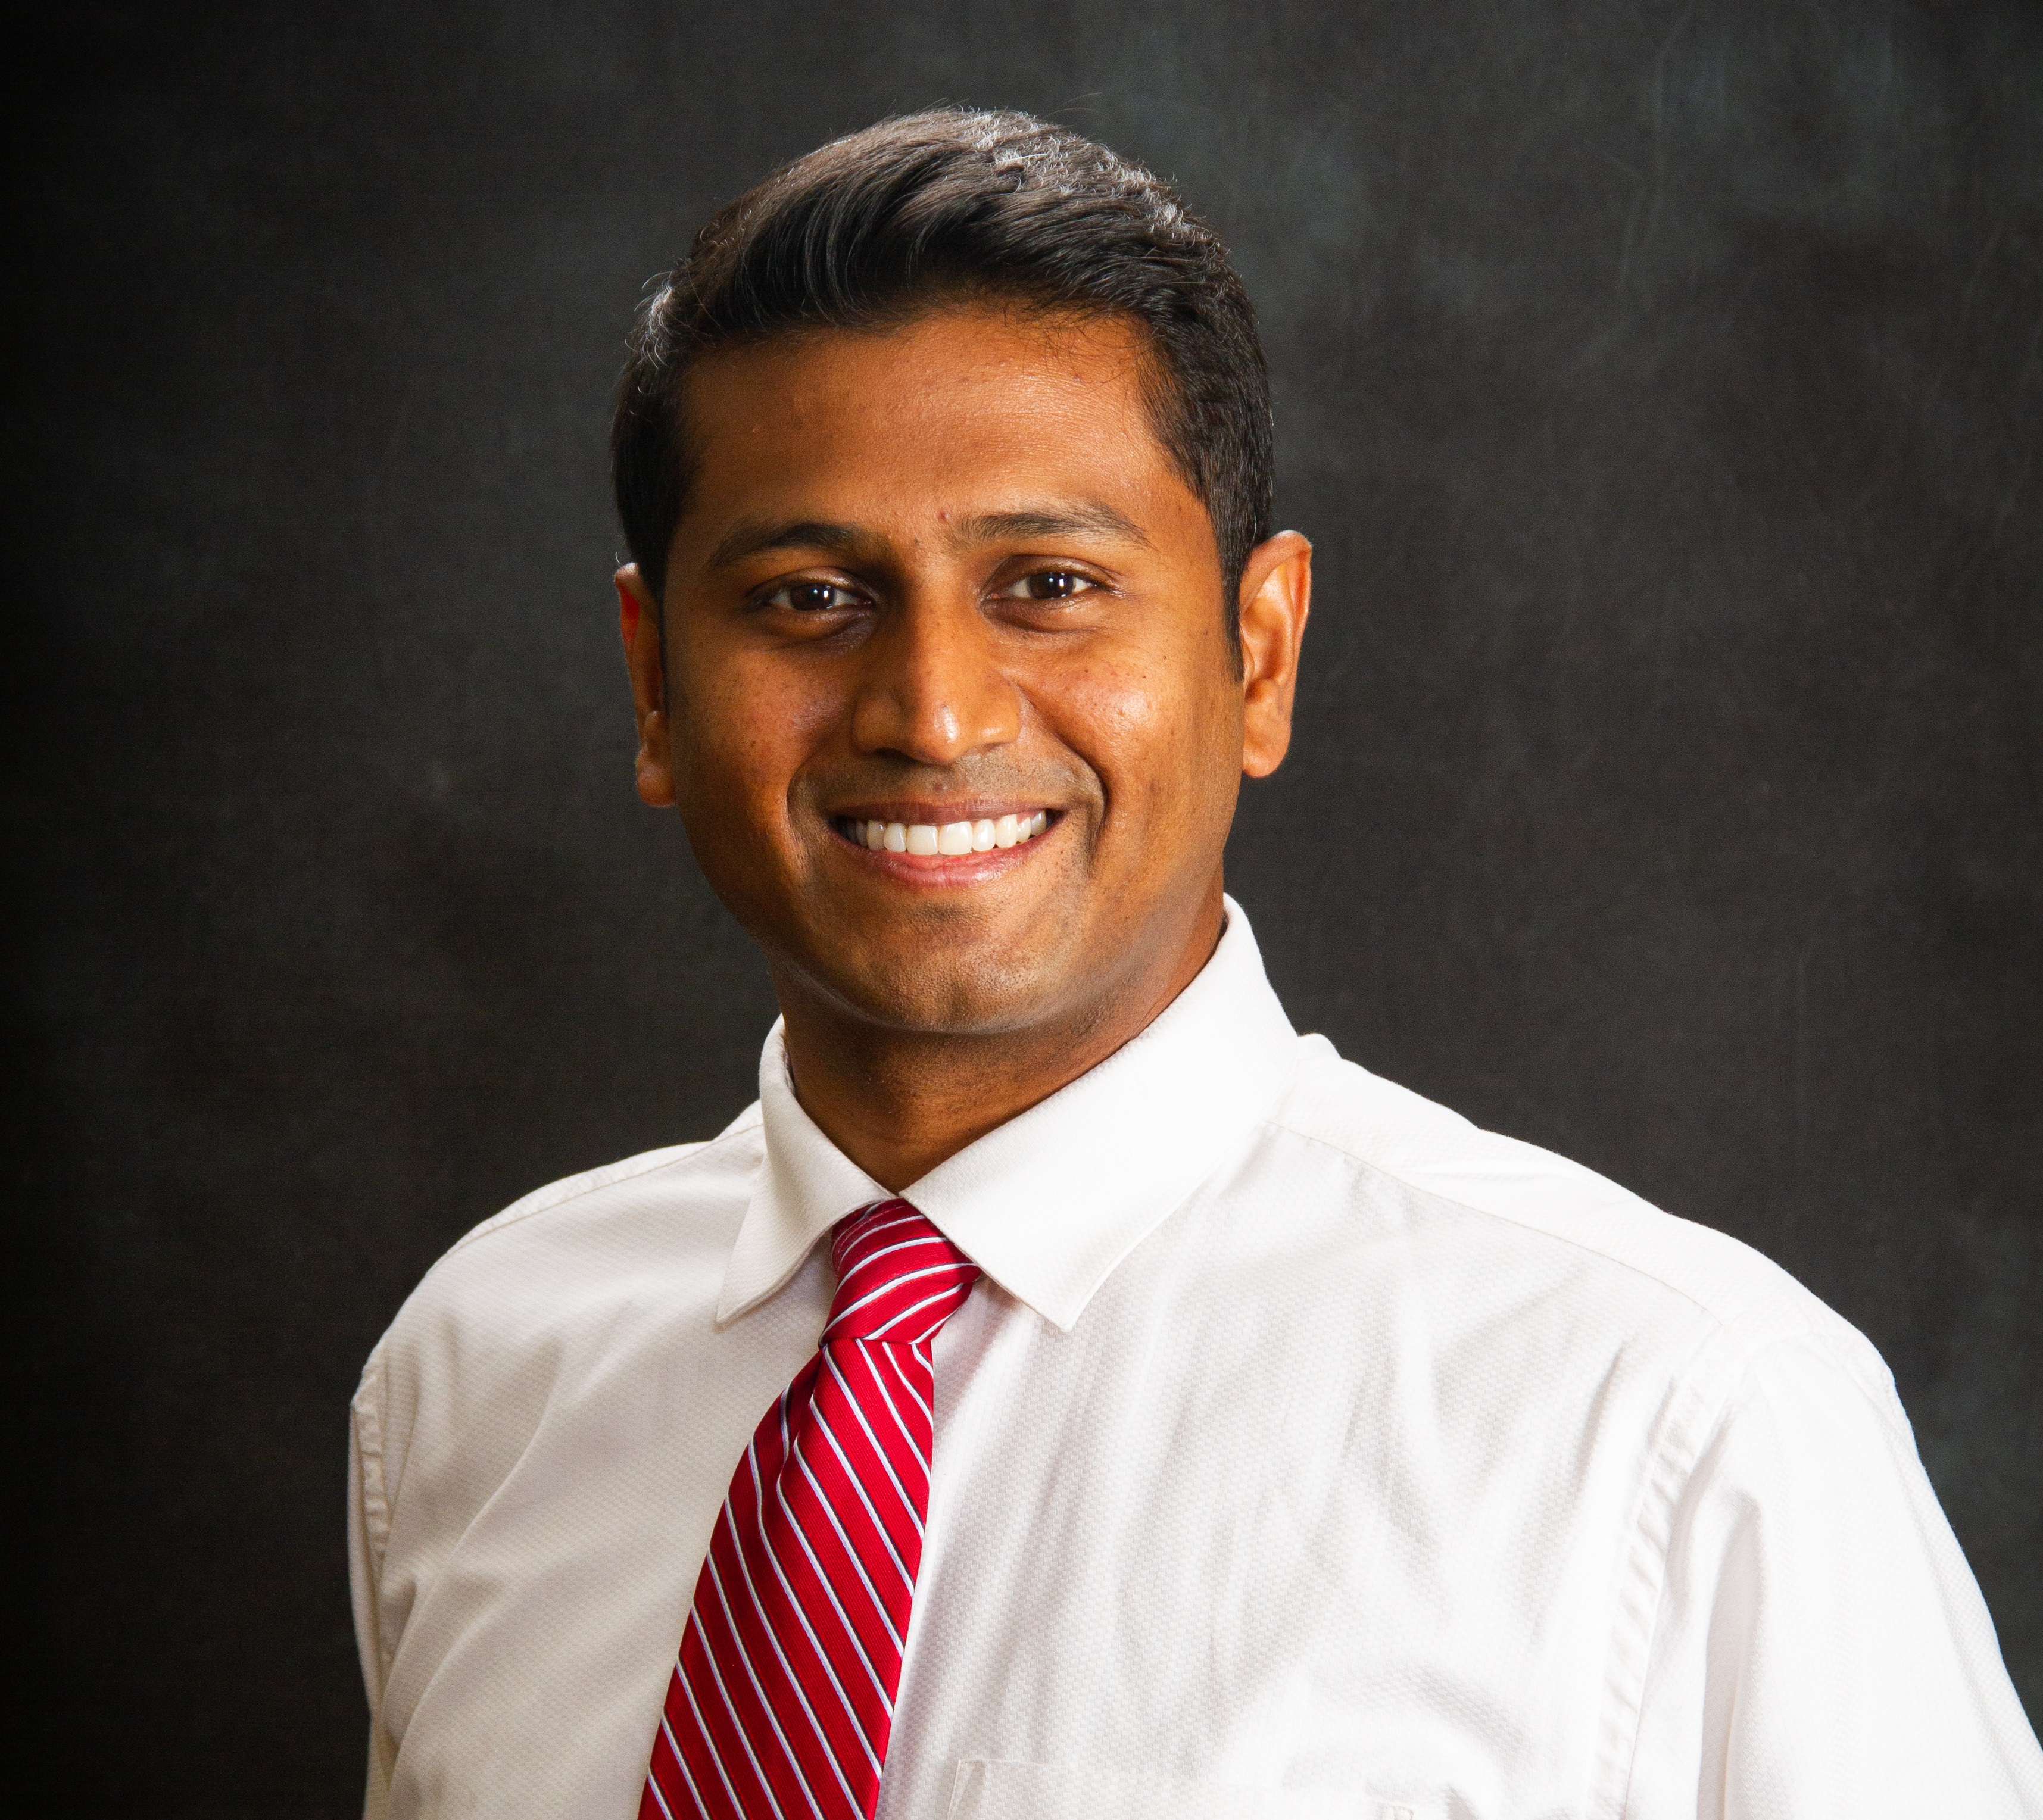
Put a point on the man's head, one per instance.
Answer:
(944, 461)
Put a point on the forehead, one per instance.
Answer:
(970, 407)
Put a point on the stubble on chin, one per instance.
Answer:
(938, 972)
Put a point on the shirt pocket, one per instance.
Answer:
(986, 1790)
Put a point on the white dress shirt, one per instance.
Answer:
(1303, 1450)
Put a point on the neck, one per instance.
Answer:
(899, 1102)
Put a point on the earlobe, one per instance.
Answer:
(1276, 600)
(655, 766)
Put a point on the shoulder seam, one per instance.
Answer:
(577, 1187)
(1697, 1399)
(372, 1500)
(1666, 1486)
(1570, 1239)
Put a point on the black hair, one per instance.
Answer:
(955, 202)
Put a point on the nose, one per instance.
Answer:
(932, 690)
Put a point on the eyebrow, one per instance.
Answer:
(1085, 517)
(753, 536)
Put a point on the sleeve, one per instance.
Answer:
(1821, 1649)
(368, 1531)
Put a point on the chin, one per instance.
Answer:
(966, 997)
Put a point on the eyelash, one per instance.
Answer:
(781, 596)
(1086, 584)
(775, 598)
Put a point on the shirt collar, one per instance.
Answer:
(1048, 1204)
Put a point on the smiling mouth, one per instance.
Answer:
(928, 839)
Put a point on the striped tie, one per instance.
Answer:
(781, 1703)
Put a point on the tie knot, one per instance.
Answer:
(898, 1279)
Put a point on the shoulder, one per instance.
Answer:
(654, 1225)
(1495, 1206)
(662, 1185)
(525, 1320)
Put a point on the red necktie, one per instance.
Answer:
(782, 1701)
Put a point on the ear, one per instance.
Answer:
(1276, 599)
(638, 619)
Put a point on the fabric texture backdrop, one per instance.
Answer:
(1661, 383)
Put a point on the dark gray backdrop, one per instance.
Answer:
(1661, 384)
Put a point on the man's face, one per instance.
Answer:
(939, 586)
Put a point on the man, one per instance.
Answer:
(1068, 1392)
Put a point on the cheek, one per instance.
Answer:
(739, 741)
(734, 756)
(1163, 734)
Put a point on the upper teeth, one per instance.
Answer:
(952, 836)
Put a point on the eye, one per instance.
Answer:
(813, 597)
(1048, 584)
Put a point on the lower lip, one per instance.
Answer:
(944, 869)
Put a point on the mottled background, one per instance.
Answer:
(1660, 382)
